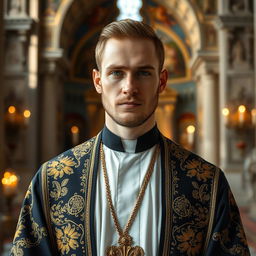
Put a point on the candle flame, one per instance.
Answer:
(241, 109)
(74, 129)
(225, 112)
(9, 179)
(191, 129)
(11, 109)
(26, 113)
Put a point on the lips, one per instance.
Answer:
(130, 103)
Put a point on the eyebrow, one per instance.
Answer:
(125, 67)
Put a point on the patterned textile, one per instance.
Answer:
(199, 217)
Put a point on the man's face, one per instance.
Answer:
(129, 81)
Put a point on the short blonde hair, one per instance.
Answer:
(128, 29)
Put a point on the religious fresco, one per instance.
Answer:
(98, 17)
(176, 44)
(83, 42)
(156, 14)
(174, 60)
(83, 61)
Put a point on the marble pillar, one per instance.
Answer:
(49, 112)
(2, 165)
(255, 62)
(210, 143)
(223, 80)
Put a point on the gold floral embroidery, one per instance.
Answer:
(19, 229)
(191, 242)
(37, 232)
(58, 168)
(60, 190)
(84, 175)
(200, 192)
(182, 206)
(81, 150)
(57, 213)
(67, 238)
(179, 152)
(202, 171)
(75, 205)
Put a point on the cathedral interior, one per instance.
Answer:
(48, 102)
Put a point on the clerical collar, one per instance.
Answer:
(144, 142)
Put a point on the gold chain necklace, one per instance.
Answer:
(125, 247)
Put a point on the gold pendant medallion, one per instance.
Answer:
(124, 250)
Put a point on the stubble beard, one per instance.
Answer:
(138, 121)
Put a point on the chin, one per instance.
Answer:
(132, 122)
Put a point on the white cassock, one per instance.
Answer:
(126, 171)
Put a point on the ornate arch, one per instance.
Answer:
(188, 18)
(183, 10)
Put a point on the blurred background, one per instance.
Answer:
(48, 103)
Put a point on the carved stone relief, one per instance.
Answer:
(210, 36)
(240, 47)
(14, 54)
(15, 7)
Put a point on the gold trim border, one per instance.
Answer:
(212, 207)
(46, 207)
(88, 196)
(168, 219)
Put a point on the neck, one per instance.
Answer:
(130, 133)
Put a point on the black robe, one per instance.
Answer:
(199, 213)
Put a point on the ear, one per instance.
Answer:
(163, 80)
(97, 80)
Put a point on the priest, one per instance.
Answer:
(129, 190)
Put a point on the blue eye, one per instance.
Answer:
(116, 73)
(143, 73)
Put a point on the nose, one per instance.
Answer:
(130, 85)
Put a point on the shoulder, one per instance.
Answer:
(68, 160)
(190, 163)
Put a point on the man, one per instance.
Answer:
(129, 190)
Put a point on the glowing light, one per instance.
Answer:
(241, 108)
(225, 112)
(9, 179)
(26, 113)
(191, 129)
(74, 129)
(129, 9)
(11, 109)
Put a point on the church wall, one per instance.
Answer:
(237, 87)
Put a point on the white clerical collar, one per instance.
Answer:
(142, 143)
(129, 145)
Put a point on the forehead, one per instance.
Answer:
(130, 52)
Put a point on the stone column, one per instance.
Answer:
(1, 88)
(255, 62)
(209, 118)
(223, 80)
(49, 112)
